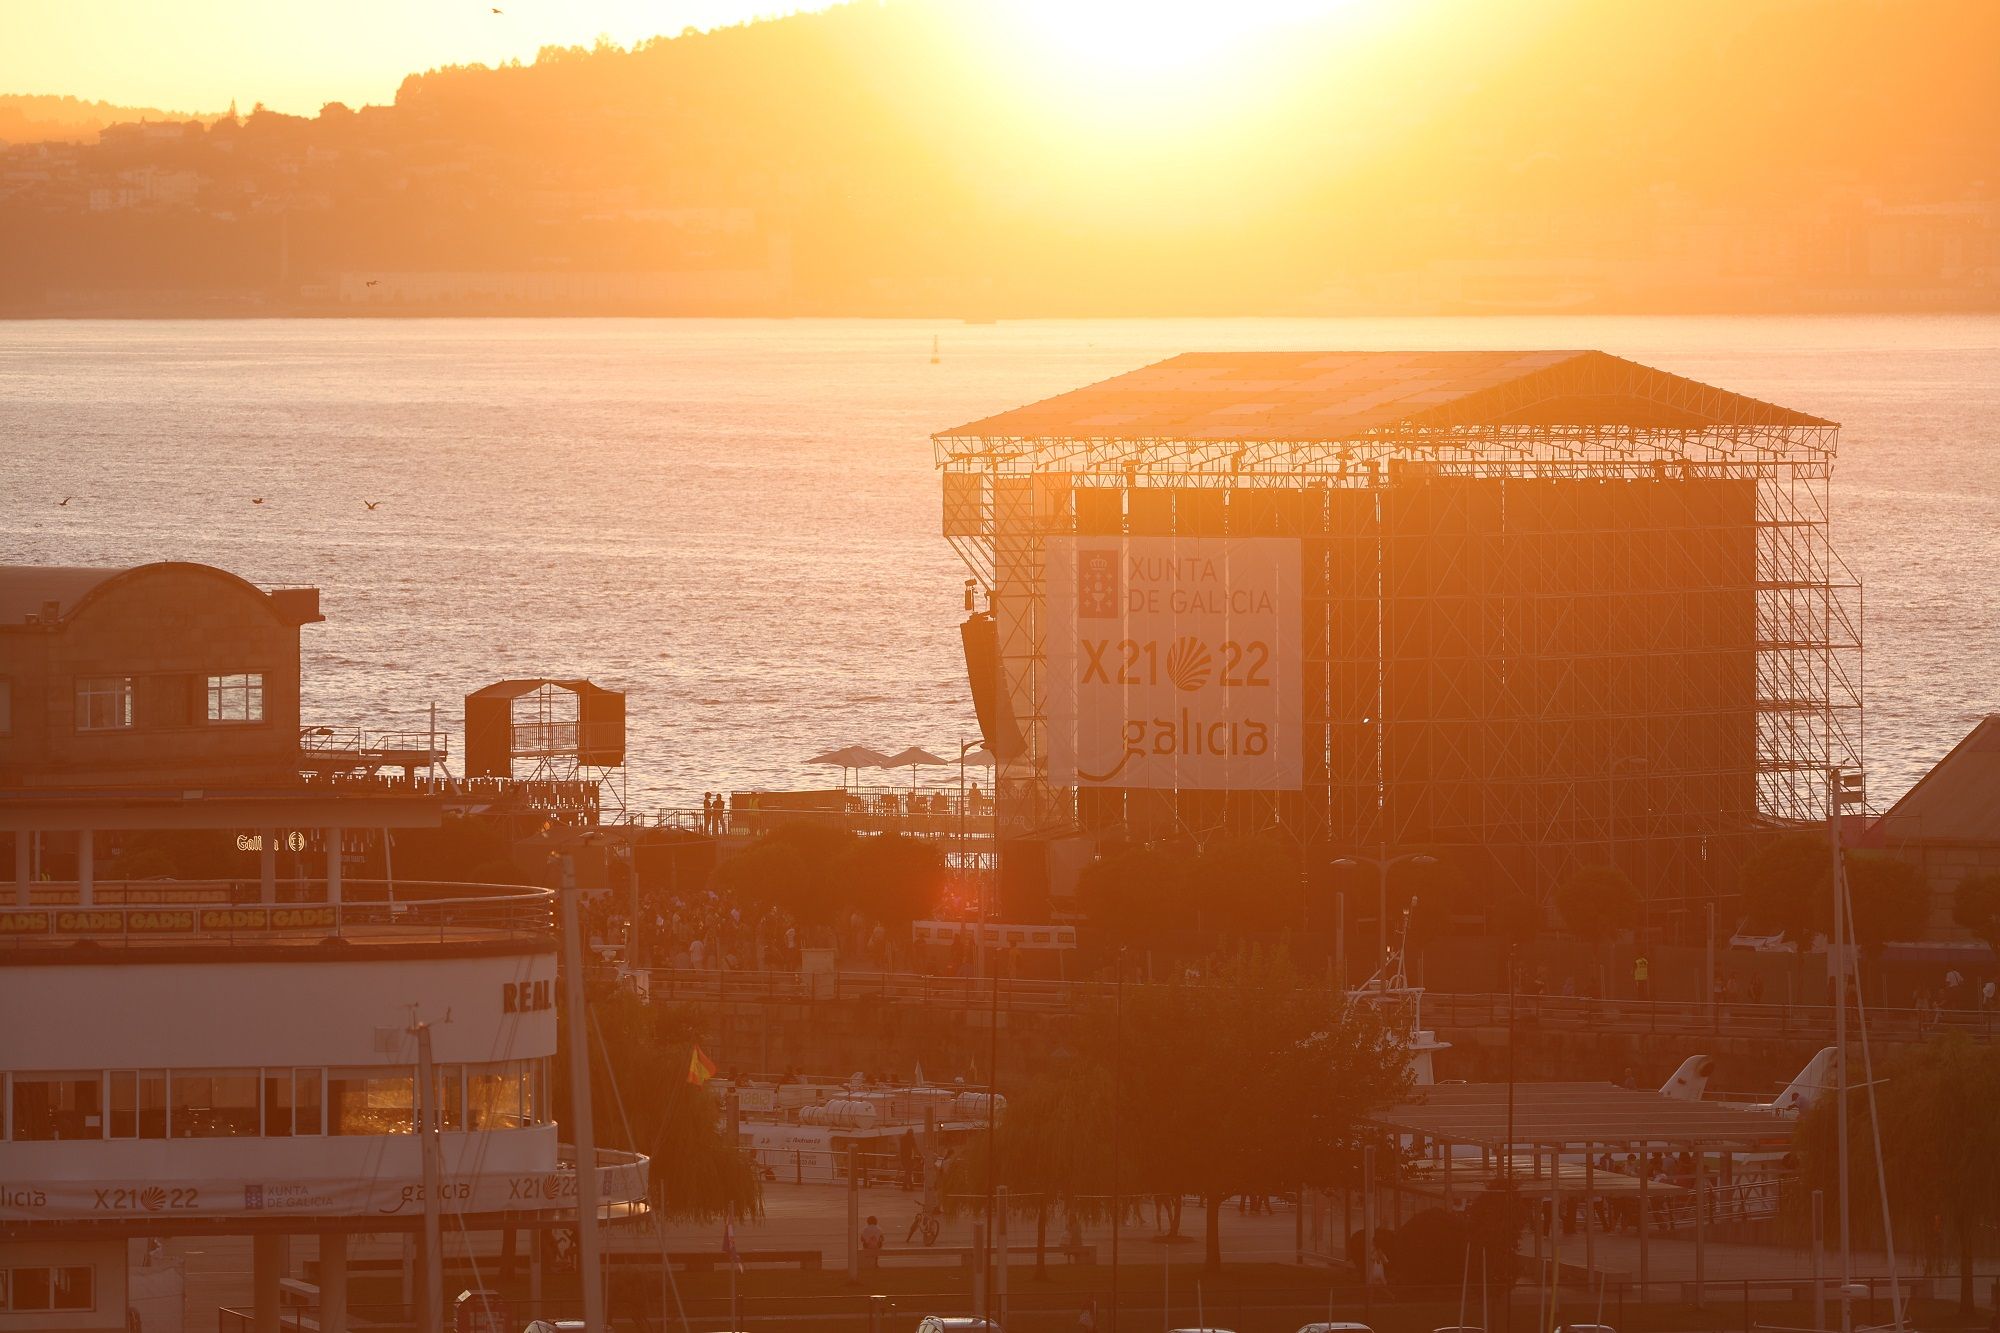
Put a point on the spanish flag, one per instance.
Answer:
(700, 1068)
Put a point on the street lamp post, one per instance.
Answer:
(1382, 864)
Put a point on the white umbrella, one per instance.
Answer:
(853, 756)
(913, 759)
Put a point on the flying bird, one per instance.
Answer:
(497, 10)
(258, 500)
(373, 281)
(371, 503)
(65, 501)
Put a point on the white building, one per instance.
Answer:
(179, 1068)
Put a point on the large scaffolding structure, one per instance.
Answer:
(1558, 606)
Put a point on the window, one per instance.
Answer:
(57, 1106)
(307, 1100)
(103, 703)
(451, 1096)
(124, 1104)
(277, 1103)
(137, 1108)
(291, 1102)
(366, 1101)
(27, 1289)
(213, 1104)
(236, 698)
(153, 1104)
(502, 1096)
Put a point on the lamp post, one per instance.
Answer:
(1382, 864)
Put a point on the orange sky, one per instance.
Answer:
(296, 55)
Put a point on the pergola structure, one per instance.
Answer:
(1558, 606)
(1544, 1139)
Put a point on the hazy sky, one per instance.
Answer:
(296, 55)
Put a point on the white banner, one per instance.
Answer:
(1174, 662)
(536, 1191)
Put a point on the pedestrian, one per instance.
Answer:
(1086, 1319)
(871, 1244)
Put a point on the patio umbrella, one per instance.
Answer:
(913, 759)
(853, 756)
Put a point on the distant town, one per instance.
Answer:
(800, 166)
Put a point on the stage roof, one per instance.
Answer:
(1319, 397)
(1577, 1113)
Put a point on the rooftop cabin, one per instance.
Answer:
(165, 698)
(169, 673)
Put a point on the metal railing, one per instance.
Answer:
(1443, 1010)
(138, 913)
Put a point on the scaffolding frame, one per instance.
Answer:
(1006, 494)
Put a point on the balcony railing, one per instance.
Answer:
(230, 912)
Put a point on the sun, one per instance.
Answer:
(1138, 41)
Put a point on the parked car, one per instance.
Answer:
(946, 1323)
(1585, 1328)
(1339, 1327)
(554, 1326)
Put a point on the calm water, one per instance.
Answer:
(738, 521)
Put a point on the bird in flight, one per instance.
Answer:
(373, 281)
(65, 501)
(258, 500)
(498, 10)
(370, 504)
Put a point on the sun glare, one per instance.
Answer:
(1140, 40)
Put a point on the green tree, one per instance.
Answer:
(1247, 884)
(893, 878)
(1250, 1077)
(1891, 899)
(1785, 887)
(1596, 902)
(1940, 1140)
(1975, 905)
(1051, 1149)
(1134, 893)
(642, 1102)
(792, 867)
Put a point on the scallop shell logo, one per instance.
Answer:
(1188, 664)
(152, 1198)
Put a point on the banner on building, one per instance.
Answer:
(28, 1200)
(1174, 662)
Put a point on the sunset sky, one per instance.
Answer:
(297, 55)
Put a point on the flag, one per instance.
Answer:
(729, 1244)
(700, 1068)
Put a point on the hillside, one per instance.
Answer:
(26, 118)
(920, 156)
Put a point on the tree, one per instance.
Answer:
(1247, 884)
(1940, 1141)
(1785, 887)
(1975, 905)
(1891, 899)
(1051, 1150)
(893, 878)
(792, 867)
(643, 1102)
(1250, 1077)
(1596, 902)
(1134, 892)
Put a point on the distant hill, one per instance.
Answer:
(27, 118)
(920, 156)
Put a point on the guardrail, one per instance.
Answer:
(137, 913)
(1442, 1010)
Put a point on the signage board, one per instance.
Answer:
(1174, 662)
